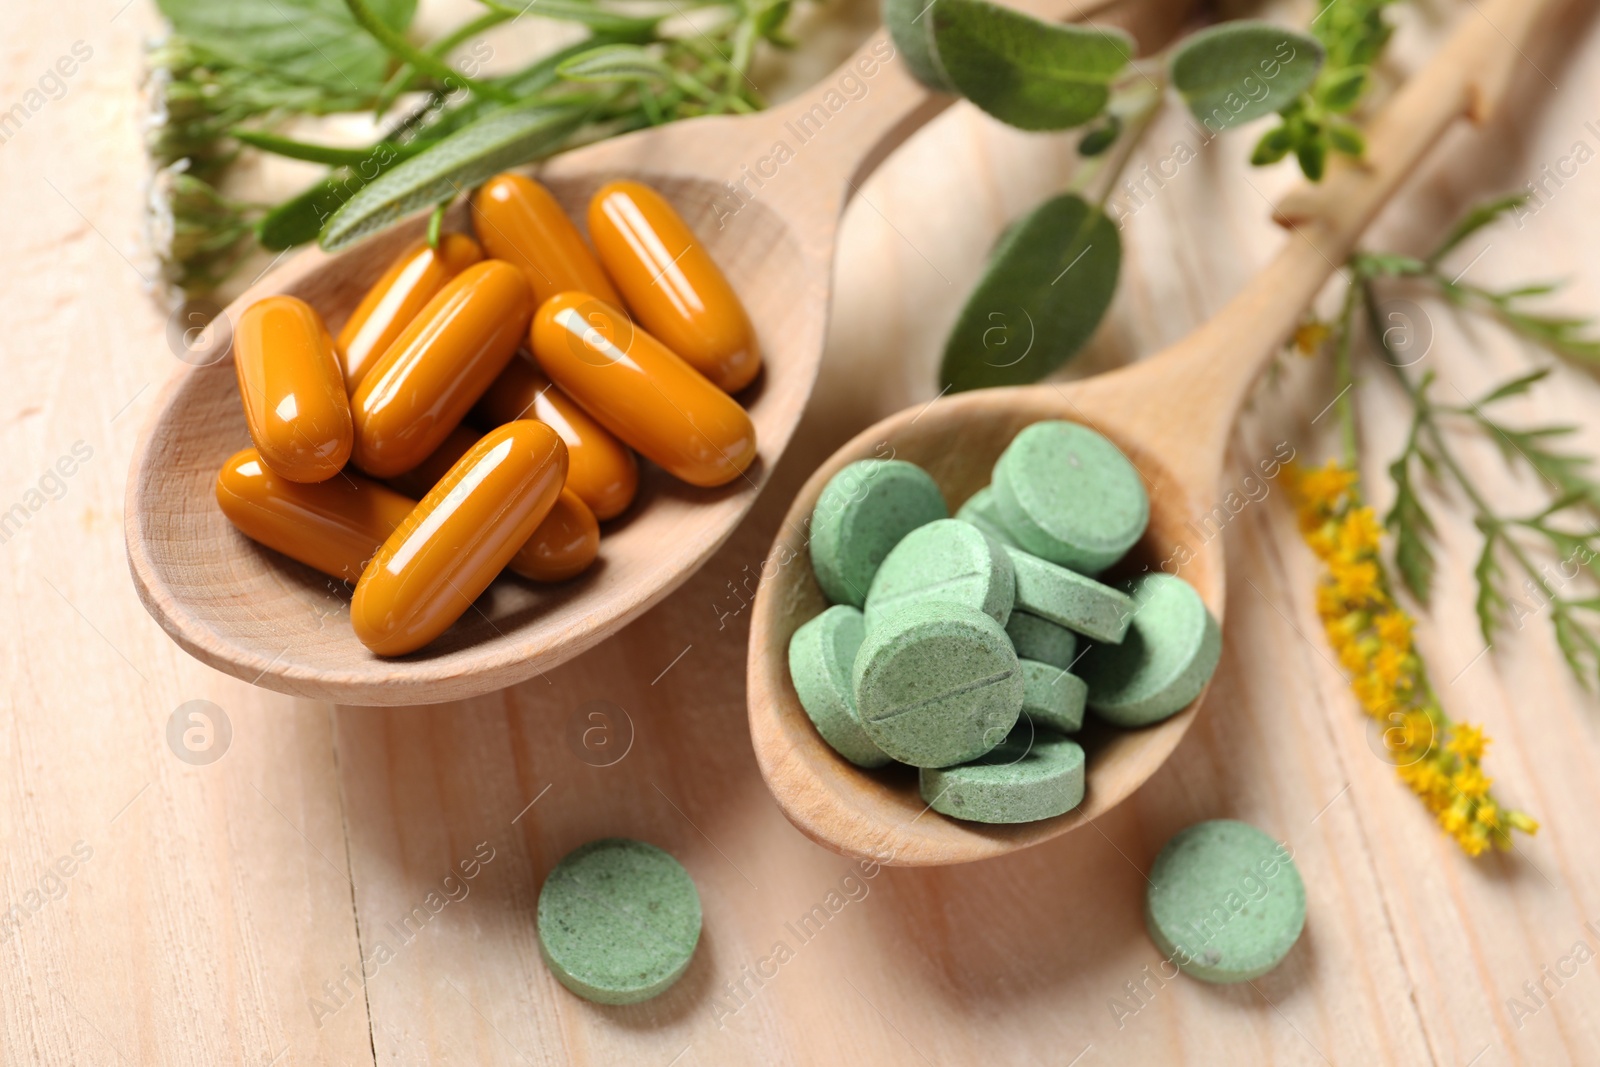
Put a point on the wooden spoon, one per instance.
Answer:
(769, 218)
(1172, 414)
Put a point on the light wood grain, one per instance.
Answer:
(201, 930)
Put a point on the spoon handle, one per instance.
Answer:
(1219, 362)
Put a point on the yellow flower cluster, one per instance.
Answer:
(1440, 760)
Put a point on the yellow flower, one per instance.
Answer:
(1374, 695)
(1471, 782)
(1361, 532)
(1467, 742)
(1523, 821)
(1309, 337)
(1352, 658)
(1355, 581)
(1457, 817)
(1325, 486)
(1473, 839)
(1488, 815)
(1389, 664)
(1394, 629)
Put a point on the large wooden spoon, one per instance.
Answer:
(769, 216)
(1172, 414)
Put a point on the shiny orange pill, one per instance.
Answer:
(438, 367)
(334, 526)
(396, 298)
(636, 388)
(520, 222)
(600, 469)
(293, 391)
(672, 285)
(458, 538)
(563, 546)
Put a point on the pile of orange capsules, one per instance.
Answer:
(364, 466)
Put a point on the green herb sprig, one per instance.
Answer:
(234, 72)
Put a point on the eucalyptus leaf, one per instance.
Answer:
(311, 41)
(912, 32)
(1043, 293)
(1029, 74)
(501, 139)
(1241, 70)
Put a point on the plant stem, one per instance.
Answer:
(407, 52)
(400, 80)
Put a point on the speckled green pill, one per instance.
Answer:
(1166, 658)
(1069, 599)
(863, 512)
(618, 921)
(1039, 638)
(1051, 697)
(980, 511)
(937, 684)
(1225, 901)
(1068, 495)
(947, 560)
(822, 655)
(1033, 774)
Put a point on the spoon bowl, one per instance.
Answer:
(768, 219)
(1171, 414)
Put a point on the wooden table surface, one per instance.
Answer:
(348, 886)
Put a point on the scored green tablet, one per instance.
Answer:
(947, 560)
(618, 921)
(937, 684)
(822, 656)
(1225, 902)
(1168, 654)
(1068, 495)
(863, 512)
(1033, 774)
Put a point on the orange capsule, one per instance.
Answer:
(293, 391)
(600, 469)
(520, 222)
(563, 546)
(334, 526)
(438, 367)
(671, 283)
(636, 388)
(396, 298)
(458, 538)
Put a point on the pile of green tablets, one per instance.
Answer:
(970, 647)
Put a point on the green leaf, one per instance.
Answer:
(1408, 521)
(1339, 91)
(1313, 157)
(501, 139)
(911, 29)
(1490, 603)
(1347, 139)
(616, 63)
(1029, 74)
(332, 155)
(1515, 387)
(1241, 70)
(597, 18)
(299, 219)
(1474, 220)
(313, 41)
(1042, 295)
(1101, 137)
(1273, 146)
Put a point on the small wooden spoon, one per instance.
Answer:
(1172, 414)
(275, 623)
